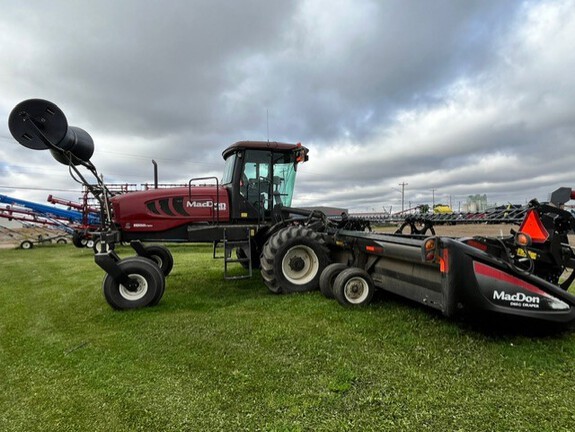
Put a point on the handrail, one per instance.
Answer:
(216, 213)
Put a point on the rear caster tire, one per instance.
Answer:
(162, 256)
(353, 287)
(148, 291)
(292, 260)
(327, 278)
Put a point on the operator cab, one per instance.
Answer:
(260, 175)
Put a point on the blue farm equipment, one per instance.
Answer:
(73, 222)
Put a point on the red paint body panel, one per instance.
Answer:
(164, 209)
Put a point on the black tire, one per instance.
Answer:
(151, 284)
(292, 260)
(61, 241)
(26, 244)
(327, 278)
(77, 240)
(162, 256)
(101, 247)
(353, 287)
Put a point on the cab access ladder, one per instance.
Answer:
(244, 258)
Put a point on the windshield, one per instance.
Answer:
(283, 180)
(268, 178)
(228, 176)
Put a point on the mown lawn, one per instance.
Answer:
(228, 356)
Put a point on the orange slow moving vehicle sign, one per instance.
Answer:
(533, 227)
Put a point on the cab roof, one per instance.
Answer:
(262, 145)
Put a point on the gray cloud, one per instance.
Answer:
(464, 97)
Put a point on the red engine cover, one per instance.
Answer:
(164, 209)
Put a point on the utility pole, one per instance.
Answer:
(402, 195)
(433, 198)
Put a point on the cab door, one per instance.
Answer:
(255, 185)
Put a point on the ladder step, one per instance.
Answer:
(237, 242)
(238, 260)
(229, 246)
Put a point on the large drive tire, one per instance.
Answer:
(353, 287)
(292, 260)
(162, 256)
(327, 278)
(151, 284)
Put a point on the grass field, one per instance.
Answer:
(228, 356)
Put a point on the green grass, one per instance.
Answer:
(228, 356)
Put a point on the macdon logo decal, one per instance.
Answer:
(204, 204)
(517, 299)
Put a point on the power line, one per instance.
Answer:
(37, 188)
(20, 168)
(26, 169)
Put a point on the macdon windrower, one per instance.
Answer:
(247, 212)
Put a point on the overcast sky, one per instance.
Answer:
(451, 97)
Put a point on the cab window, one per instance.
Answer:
(228, 176)
(255, 180)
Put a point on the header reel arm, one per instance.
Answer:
(40, 125)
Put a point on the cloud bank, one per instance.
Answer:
(452, 98)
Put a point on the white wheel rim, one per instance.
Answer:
(158, 260)
(300, 265)
(356, 290)
(141, 290)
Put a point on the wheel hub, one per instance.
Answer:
(300, 264)
(136, 289)
(356, 290)
(297, 264)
